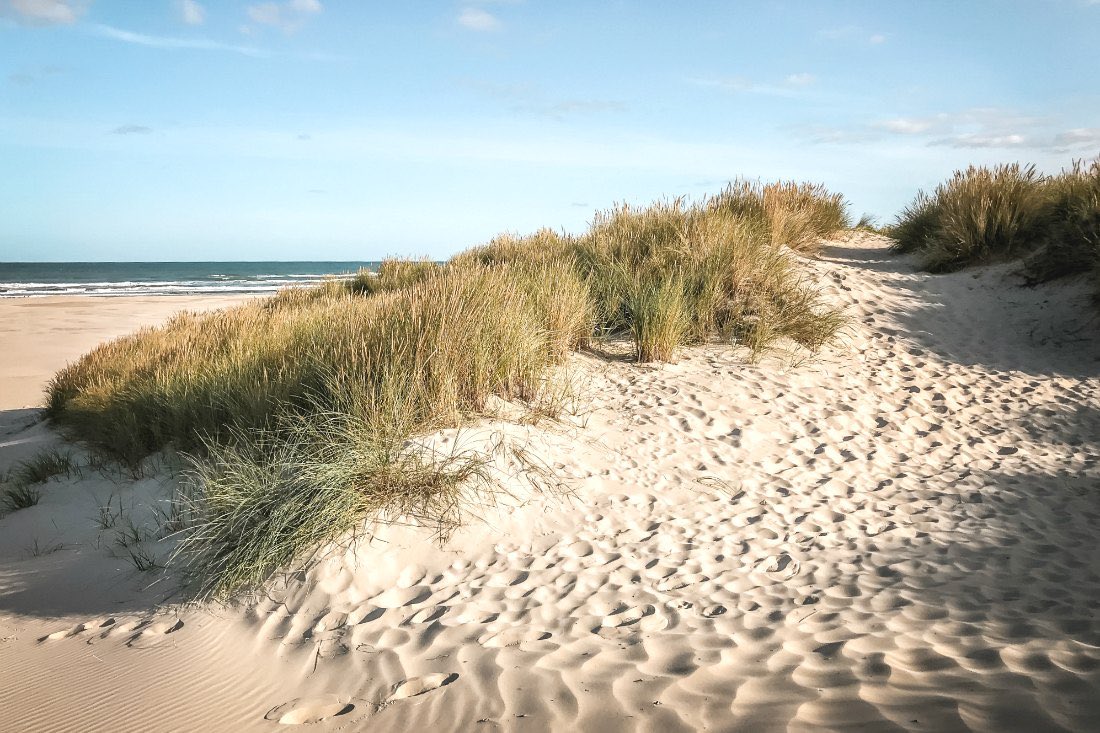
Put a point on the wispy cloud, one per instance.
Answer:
(132, 130)
(476, 19)
(978, 128)
(913, 125)
(528, 98)
(1078, 137)
(792, 86)
(801, 80)
(191, 12)
(983, 140)
(853, 34)
(48, 12)
(168, 42)
(288, 16)
(26, 77)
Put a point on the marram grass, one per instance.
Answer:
(1007, 212)
(300, 411)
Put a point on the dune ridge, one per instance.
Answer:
(896, 535)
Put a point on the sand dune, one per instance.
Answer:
(41, 335)
(900, 534)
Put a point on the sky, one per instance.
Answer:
(343, 130)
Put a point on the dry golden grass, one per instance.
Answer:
(299, 409)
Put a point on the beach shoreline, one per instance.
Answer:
(40, 335)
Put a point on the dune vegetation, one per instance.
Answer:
(298, 410)
(1007, 212)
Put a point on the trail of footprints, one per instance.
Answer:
(133, 632)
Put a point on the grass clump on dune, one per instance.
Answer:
(797, 215)
(20, 489)
(978, 215)
(1066, 232)
(674, 274)
(302, 411)
(1007, 212)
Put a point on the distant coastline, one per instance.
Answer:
(113, 279)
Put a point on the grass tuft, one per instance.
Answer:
(268, 502)
(1007, 212)
(19, 496)
(42, 467)
(797, 215)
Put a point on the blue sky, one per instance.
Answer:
(318, 129)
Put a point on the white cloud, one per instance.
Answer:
(1078, 136)
(476, 19)
(191, 12)
(852, 33)
(48, 12)
(288, 16)
(793, 86)
(202, 44)
(982, 140)
(132, 130)
(913, 125)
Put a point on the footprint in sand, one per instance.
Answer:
(154, 634)
(410, 576)
(424, 615)
(63, 633)
(331, 620)
(309, 710)
(629, 616)
(397, 597)
(512, 637)
(365, 614)
(779, 567)
(578, 549)
(414, 686)
(78, 628)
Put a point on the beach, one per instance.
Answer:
(895, 534)
(41, 335)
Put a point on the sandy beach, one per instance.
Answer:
(899, 534)
(39, 336)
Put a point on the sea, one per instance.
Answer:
(106, 279)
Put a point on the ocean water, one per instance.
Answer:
(35, 279)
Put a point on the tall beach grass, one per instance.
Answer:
(1007, 212)
(300, 412)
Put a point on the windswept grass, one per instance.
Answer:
(1007, 212)
(42, 467)
(20, 488)
(978, 215)
(268, 501)
(301, 411)
(393, 274)
(797, 215)
(16, 496)
(673, 274)
(1066, 233)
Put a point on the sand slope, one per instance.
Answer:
(899, 535)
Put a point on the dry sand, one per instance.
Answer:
(902, 534)
(39, 336)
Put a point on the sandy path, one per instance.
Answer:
(900, 535)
